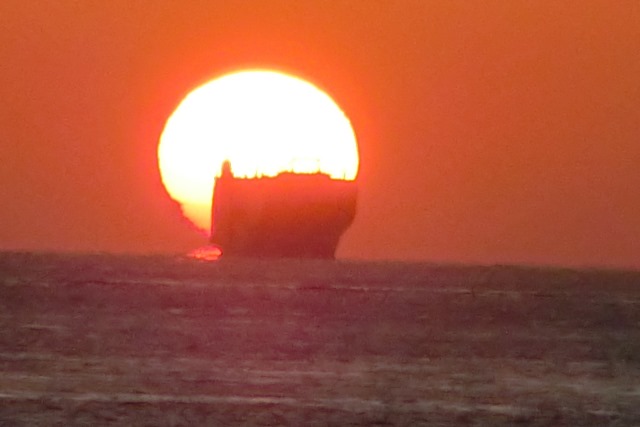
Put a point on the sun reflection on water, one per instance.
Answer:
(206, 253)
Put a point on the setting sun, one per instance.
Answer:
(264, 123)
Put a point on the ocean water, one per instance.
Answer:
(106, 339)
(201, 267)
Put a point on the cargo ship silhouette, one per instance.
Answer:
(289, 215)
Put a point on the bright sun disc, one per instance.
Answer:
(264, 123)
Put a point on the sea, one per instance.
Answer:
(199, 339)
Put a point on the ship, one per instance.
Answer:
(290, 215)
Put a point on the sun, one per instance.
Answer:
(264, 122)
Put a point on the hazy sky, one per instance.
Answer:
(489, 132)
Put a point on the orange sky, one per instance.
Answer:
(490, 132)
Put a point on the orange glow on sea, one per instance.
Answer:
(206, 253)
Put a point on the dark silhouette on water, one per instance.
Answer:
(290, 215)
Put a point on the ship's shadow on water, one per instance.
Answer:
(171, 340)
